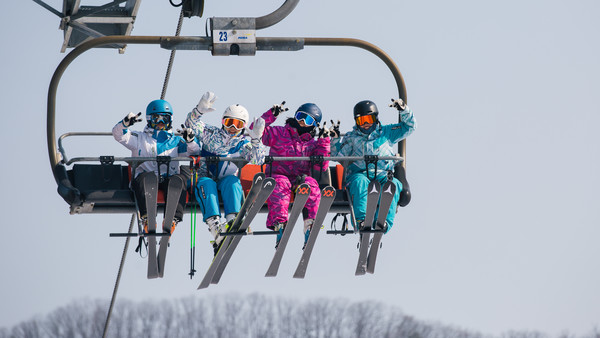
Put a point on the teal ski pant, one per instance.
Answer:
(207, 195)
(358, 184)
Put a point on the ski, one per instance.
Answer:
(150, 184)
(302, 194)
(263, 195)
(254, 190)
(327, 197)
(373, 192)
(172, 195)
(387, 196)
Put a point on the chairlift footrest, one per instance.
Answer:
(370, 231)
(135, 234)
(124, 234)
(340, 232)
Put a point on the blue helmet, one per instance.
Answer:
(159, 111)
(311, 110)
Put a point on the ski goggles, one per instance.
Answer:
(308, 120)
(231, 122)
(157, 118)
(364, 119)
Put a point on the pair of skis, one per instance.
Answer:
(302, 194)
(327, 198)
(259, 192)
(156, 262)
(376, 194)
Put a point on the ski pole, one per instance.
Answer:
(195, 161)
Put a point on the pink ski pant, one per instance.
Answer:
(279, 201)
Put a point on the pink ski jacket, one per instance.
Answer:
(285, 141)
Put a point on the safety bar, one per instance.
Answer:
(68, 161)
(229, 159)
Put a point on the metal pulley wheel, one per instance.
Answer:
(193, 8)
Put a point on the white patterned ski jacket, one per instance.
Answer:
(152, 143)
(380, 142)
(217, 141)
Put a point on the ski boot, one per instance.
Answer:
(215, 227)
(142, 235)
(145, 225)
(279, 228)
(172, 226)
(308, 223)
(384, 228)
(359, 226)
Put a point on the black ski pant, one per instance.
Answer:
(139, 190)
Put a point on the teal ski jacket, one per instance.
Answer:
(380, 142)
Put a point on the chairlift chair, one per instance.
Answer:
(103, 187)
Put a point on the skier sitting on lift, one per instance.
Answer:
(157, 139)
(369, 137)
(296, 138)
(225, 141)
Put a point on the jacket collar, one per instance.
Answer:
(374, 134)
(294, 134)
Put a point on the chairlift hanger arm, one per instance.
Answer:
(198, 43)
(49, 8)
(278, 15)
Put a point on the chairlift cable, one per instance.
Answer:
(171, 58)
(117, 282)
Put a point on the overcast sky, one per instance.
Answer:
(502, 231)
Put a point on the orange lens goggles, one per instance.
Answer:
(237, 124)
(360, 120)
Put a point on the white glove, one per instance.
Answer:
(206, 103)
(258, 128)
(132, 118)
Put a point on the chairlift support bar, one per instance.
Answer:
(199, 43)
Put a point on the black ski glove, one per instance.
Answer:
(398, 104)
(131, 118)
(187, 133)
(278, 109)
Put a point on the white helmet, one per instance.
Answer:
(236, 111)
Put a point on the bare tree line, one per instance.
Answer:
(242, 316)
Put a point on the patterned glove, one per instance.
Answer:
(278, 109)
(398, 104)
(323, 131)
(187, 134)
(334, 131)
(132, 118)
(206, 103)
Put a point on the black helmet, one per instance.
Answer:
(365, 107)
